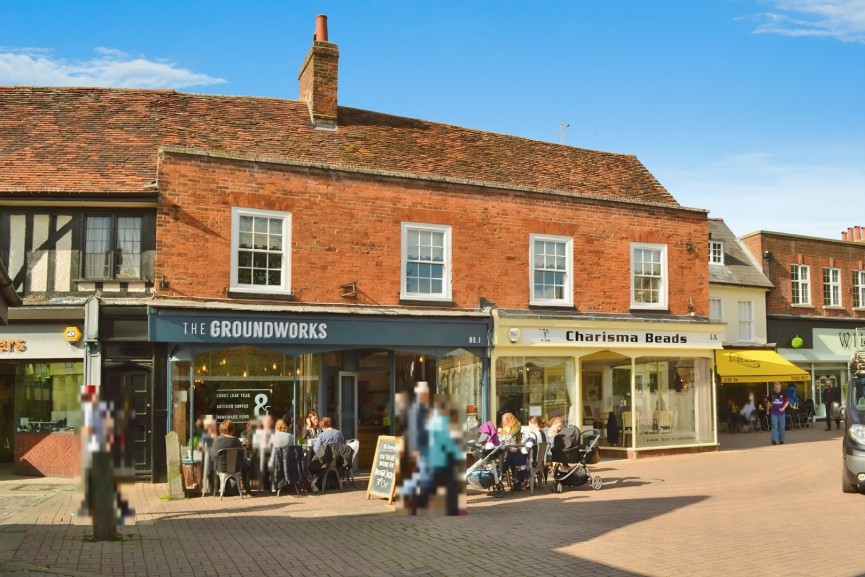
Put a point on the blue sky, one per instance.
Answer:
(751, 109)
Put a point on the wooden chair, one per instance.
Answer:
(588, 418)
(627, 427)
(665, 422)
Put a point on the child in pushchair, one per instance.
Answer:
(570, 447)
(486, 474)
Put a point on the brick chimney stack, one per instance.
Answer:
(319, 79)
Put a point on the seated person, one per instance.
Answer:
(517, 459)
(747, 413)
(794, 396)
(556, 424)
(208, 435)
(248, 434)
(280, 438)
(312, 428)
(227, 440)
(261, 449)
(328, 435)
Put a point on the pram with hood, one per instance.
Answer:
(486, 474)
(569, 452)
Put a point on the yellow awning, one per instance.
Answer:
(755, 366)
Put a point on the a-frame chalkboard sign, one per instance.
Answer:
(385, 468)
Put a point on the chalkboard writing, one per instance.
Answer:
(385, 468)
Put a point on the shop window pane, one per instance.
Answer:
(245, 383)
(528, 386)
(47, 396)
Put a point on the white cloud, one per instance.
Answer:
(110, 68)
(841, 19)
(756, 191)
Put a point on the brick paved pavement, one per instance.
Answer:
(749, 509)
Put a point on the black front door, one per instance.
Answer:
(130, 387)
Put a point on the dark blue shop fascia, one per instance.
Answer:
(320, 331)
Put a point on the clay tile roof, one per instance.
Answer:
(98, 140)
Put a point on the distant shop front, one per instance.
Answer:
(654, 377)
(41, 373)
(823, 351)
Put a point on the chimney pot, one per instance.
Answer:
(844, 235)
(850, 233)
(320, 28)
(857, 233)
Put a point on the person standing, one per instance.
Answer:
(416, 490)
(832, 400)
(777, 404)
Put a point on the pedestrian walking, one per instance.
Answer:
(777, 404)
(832, 400)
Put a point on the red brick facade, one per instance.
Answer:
(48, 454)
(785, 250)
(346, 228)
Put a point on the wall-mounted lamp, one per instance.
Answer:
(163, 283)
(175, 212)
(349, 289)
(689, 247)
(767, 256)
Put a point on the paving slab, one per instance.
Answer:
(721, 513)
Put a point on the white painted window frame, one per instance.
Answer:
(568, 287)
(716, 252)
(284, 287)
(663, 289)
(447, 232)
(804, 285)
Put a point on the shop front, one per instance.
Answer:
(358, 369)
(647, 384)
(748, 374)
(41, 373)
(824, 353)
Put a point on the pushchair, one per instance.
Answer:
(570, 450)
(485, 474)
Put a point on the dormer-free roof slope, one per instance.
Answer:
(97, 140)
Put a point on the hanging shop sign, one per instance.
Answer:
(188, 326)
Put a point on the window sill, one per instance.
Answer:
(802, 306)
(233, 294)
(553, 307)
(426, 303)
(117, 280)
(833, 308)
(659, 310)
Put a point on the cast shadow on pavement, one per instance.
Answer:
(239, 538)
